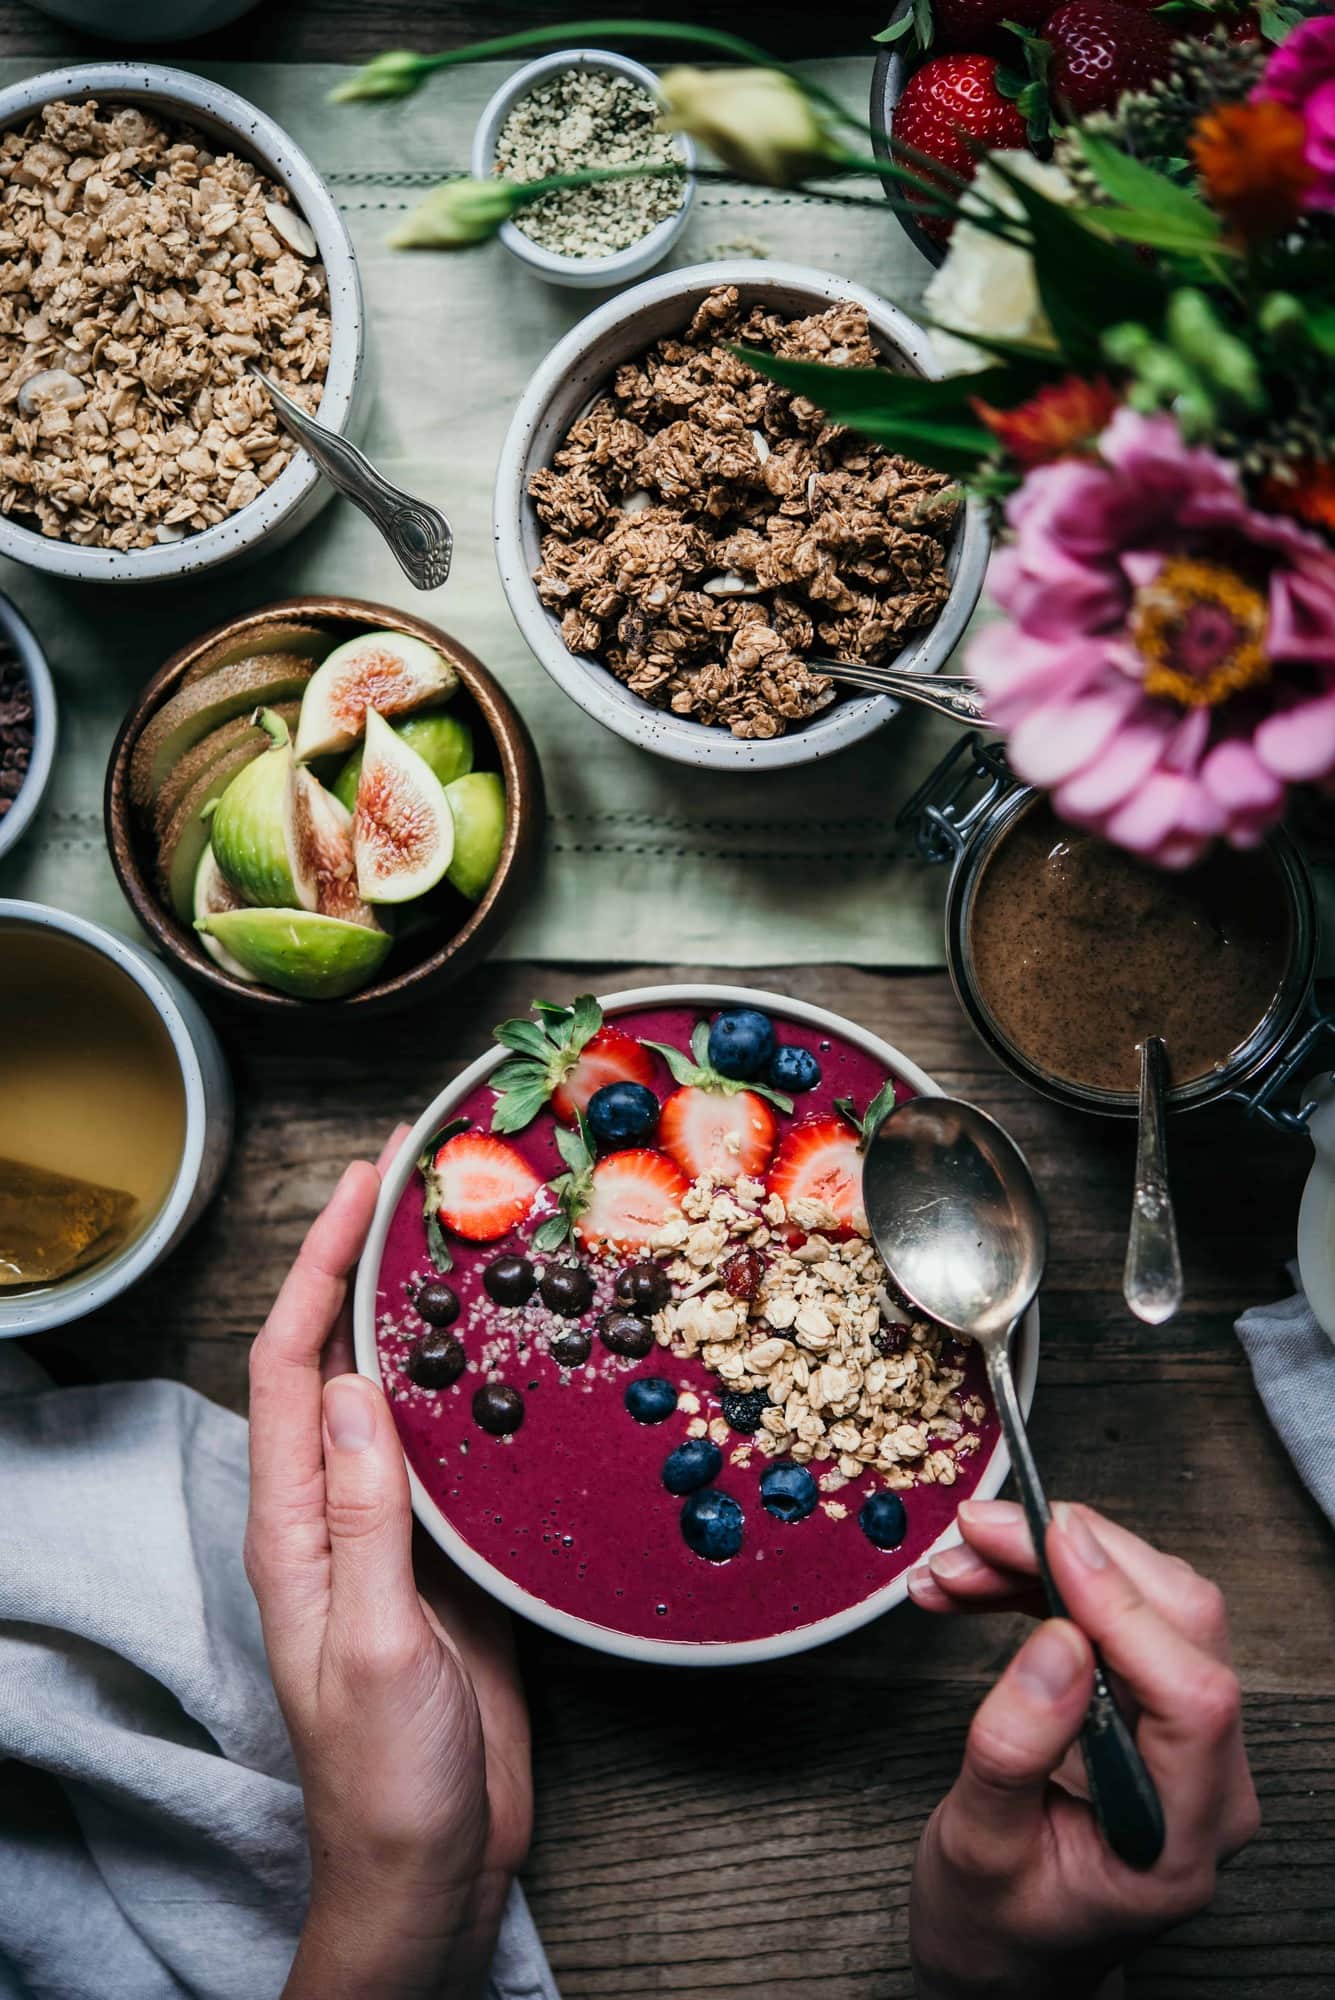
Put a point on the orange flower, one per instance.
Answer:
(1308, 496)
(1250, 160)
(1063, 418)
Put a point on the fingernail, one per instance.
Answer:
(954, 1564)
(924, 1586)
(349, 1413)
(1048, 1663)
(1000, 1513)
(1079, 1538)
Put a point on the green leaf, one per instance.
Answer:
(1135, 185)
(700, 1044)
(526, 1037)
(552, 1231)
(897, 29)
(924, 418)
(881, 1105)
(586, 1017)
(683, 1070)
(1156, 231)
(518, 1107)
(573, 1150)
(1321, 327)
(438, 1248)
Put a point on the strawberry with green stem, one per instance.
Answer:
(715, 1126)
(561, 1059)
(475, 1186)
(619, 1202)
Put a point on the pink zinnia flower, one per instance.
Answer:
(1301, 74)
(1167, 666)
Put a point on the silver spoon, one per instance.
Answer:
(1152, 1277)
(960, 1227)
(950, 695)
(419, 536)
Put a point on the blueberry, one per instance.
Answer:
(651, 1399)
(623, 1114)
(437, 1302)
(741, 1042)
(570, 1346)
(788, 1492)
(567, 1289)
(712, 1524)
(883, 1521)
(626, 1333)
(498, 1409)
(692, 1465)
(644, 1287)
(793, 1069)
(743, 1409)
(435, 1360)
(510, 1280)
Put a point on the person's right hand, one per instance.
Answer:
(1015, 1893)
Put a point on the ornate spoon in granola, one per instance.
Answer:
(950, 695)
(960, 1228)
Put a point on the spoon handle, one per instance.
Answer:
(1152, 1277)
(1121, 1789)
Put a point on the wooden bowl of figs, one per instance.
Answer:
(324, 803)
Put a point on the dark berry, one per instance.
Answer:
(883, 1521)
(743, 1409)
(742, 1272)
(436, 1360)
(437, 1302)
(626, 1333)
(623, 1114)
(892, 1339)
(793, 1069)
(741, 1042)
(645, 1287)
(571, 1346)
(788, 1492)
(712, 1524)
(651, 1399)
(692, 1465)
(498, 1408)
(510, 1280)
(567, 1289)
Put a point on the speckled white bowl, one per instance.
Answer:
(567, 381)
(16, 631)
(299, 492)
(637, 258)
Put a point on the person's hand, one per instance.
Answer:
(406, 1718)
(1015, 1895)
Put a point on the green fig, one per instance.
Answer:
(402, 830)
(388, 671)
(252, 827)
(477, 803)
(443, 741)
(213, 894)
(300, 952)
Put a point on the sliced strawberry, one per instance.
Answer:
(819, 1160)
(715, 1134)
(631, 1195)
(610, 1056)
(483, 1187)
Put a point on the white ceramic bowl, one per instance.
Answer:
(599, 1637)
(569, 379)
(208, 1128)
(15, 629)
(622, 265)
(299, 492)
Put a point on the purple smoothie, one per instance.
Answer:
(571, 1508)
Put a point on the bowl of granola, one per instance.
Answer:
(682, 541)
(654, 1389)
(161, 235)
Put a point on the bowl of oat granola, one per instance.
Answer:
(654, 1389)
(159, 235)
(681, 541)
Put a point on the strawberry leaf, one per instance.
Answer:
(684, 1071)
(545, 1052)
(865, 1123)
(572, 1189)
(552, 1231)
(700, 1075)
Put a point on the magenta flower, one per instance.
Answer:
(1301, 74)
(1166, 668)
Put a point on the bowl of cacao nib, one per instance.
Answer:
(27, 725)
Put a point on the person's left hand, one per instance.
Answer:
(406, 1716)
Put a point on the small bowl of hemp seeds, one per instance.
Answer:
(576, 109)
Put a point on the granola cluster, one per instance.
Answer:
(706, 531)
(139, 273)
(850, 1386)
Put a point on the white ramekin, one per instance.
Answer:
(567, 381)
(622, 265)
(678, 1653)
(208, 1128)
(299, 492)
(16, 630)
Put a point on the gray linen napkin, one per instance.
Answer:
(151, 1836)
(1293, 1366)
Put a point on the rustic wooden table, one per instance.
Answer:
(756, 1837)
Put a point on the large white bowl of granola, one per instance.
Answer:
(159, 234)
(678, 537)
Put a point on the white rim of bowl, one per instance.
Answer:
(602, 1638)
(592, 687)
(595, 270)
(36, 1312)
(254, 131)
(32, 663)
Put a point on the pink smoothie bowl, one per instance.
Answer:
(566, 1522)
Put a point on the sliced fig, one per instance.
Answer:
(251, 827)
(386, 671)
(320, 848)
(214, 894)
(477, 804)
(445, 740)
(403, 829)
(298, 951)
(194, 710)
